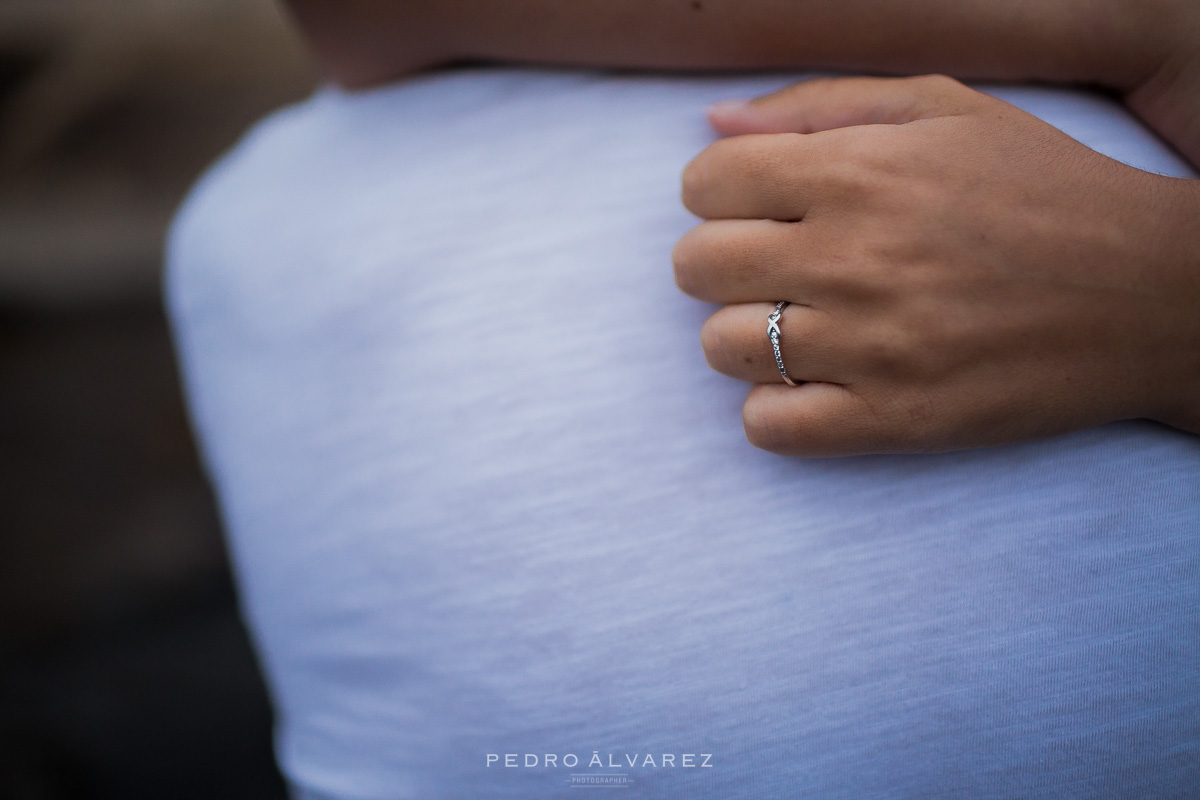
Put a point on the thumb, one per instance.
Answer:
(826, 103)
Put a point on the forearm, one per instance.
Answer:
(1147, 50)
(1179, 233)
(1113, 42)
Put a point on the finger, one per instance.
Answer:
(736, 344)
(751, 177)
(827, 103)
(817, 420)
(741, 260)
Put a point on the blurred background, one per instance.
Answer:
(124, 669)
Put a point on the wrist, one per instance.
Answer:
(1176, 378)
(360, 43)
(1164, 88)
(1141, 39)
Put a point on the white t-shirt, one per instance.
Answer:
(487, 503)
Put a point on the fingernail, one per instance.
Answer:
(727, 107)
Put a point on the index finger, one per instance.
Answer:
(757, 176)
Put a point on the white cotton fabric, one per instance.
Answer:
(484, 496)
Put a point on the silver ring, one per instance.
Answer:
(773, 333)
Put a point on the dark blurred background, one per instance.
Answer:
(124, 669)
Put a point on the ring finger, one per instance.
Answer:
(736, 344)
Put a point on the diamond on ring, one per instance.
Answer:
(774, 334)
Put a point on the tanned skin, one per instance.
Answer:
(961, 273)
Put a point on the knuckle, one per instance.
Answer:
(865, 166)
(947, 89)
(699, 178)
(790, 432)
(693, 182)
(850, 181)
(936, 80)
(683, 263)
(938, 85)
(909, 420)
(758, 157)
(743, 258)
(719, 262)
(762, 429)
(731, 170)
(712, 342)
(926, 343)
(890, 353)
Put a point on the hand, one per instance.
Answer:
(961, 273)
